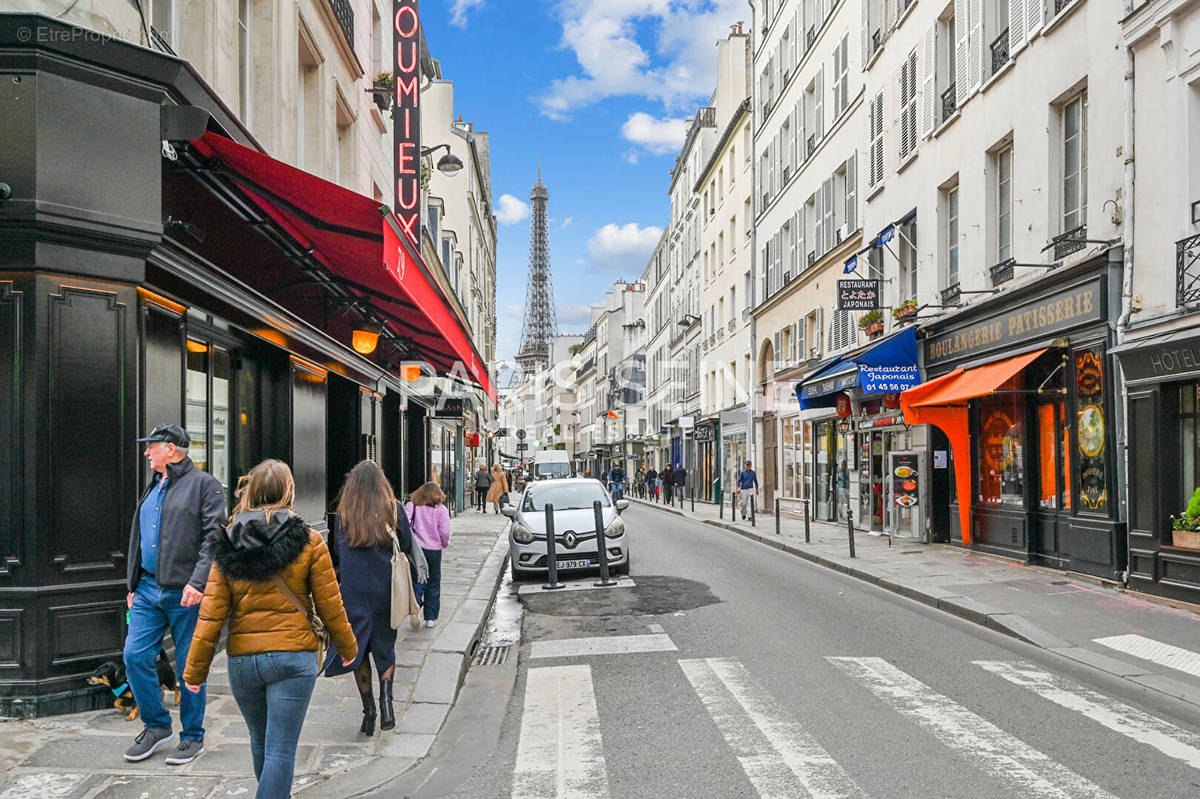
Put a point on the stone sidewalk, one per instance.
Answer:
(1055, 610)
(79, 756)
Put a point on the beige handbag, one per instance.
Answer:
(404, 599)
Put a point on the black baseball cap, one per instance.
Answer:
(169, 434)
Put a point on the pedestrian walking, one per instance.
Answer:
(747, 489)
(680, 477)
(364, 524)
(668, 484)
(483, 481)
(166, 571)
(430, 523)
(652, 483)
(497, 493)
(266, 563)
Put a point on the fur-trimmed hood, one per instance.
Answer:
(252, 548)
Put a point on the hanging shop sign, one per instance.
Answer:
(706, 433)
(842, 403)
(449, 408)
(1173, 356)
(905, 479)
(406, 128)
(1037, 318)
(858, 295)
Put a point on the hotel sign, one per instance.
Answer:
(1036, 318)
(1174, 357)
(406, 125)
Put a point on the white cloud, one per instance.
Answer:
(511, 210)
(574, 314)
(623, 248)
(566, 222)
(630, 156)
(458, 11)
(659, 136)
(676, 63)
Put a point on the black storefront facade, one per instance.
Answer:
(1023, 387)
(1161, 373)
(139, 285)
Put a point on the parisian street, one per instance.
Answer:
(732, 669)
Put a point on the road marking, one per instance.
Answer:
(779, 756)
(656, 628)
(560, 752)
(610, 645)
(1117, 716)
(1173, 657)
(1007, 758)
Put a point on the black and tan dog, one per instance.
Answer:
(112, 676)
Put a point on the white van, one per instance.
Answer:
(551, 464)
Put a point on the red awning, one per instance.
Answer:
(360, 242)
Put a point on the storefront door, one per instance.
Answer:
(870, 480)
(824, 471)
(1053, 481)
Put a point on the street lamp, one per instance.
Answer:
(449, 164)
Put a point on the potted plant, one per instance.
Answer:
(905, 310)
(381, 90)
(1185, 529)
(871, 322)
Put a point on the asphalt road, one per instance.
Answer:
(788, 680)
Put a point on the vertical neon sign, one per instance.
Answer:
(406, 126)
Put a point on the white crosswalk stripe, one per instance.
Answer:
(1173, 657)
(1117, 716)
(601, 645)
(779, 756)
(560, 753)
(1007, 758)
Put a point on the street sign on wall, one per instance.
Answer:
(858, 295)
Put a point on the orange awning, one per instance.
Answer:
(942, 402)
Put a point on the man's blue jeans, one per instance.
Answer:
(430, 594)
(272, 689)
(155, 610)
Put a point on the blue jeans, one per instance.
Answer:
(430, 594)
(616, 491)
(155, 610)
(272, 689)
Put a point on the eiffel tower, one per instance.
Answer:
(540, 325)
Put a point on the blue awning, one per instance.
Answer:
(886, 367)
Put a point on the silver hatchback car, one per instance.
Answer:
(574, 527)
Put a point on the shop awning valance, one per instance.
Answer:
(885, 367)
(942, 402)
(362, 246)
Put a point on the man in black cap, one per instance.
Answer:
(169, 557)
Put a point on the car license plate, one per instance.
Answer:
(574, 564)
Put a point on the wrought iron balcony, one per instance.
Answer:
(1070, 241)
(876, 42)
(810, 36)
(810, 145)
(732, 325)
(1059, 5)
(949, 102)
(952, 293)
(812, 257)
(1003, 271)
(344, 11)
(1187, 270)
(1000, 51)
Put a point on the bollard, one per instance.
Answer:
(850, 528)
(601, 546)
(720, 512)
(806, 515)
(693, 499)
(752, 499)
(551, 556)
(776, 515)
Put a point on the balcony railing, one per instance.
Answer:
(1070, 241)
(732, 325)
(1000, 51)
(876, 42)
(344, 11)
(810, 145)
(949, 102)
(810, 36)
(1187, 270)
(1059, 5)
(1003, 271)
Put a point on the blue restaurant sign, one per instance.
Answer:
(888, 367)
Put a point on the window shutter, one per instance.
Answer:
(877, 142)
(818, 343)
(928, 71)
(905, 144)
(866, 32)
(1035, 16)
(778, 342)
(975, 44)
(795, 39)
(845, 72)
(827, 189)
(818, 105)
(1016, 25)
(801, 340)
(801, 146)
(818, 224)
(851, 194)
(962, 30)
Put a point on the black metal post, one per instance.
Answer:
(693, 498)
(807, 513)
(601, 545)
(752, 511)
(850, 528)
(776, 515)
(551, 555)
(720, 512)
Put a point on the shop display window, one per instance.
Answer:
(1189, 442)
(1001, 456)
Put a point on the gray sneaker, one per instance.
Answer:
(149, 740)
(186, 752)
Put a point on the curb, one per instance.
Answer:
(974, 611)
(454, 647)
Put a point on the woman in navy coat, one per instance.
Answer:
(361, 545)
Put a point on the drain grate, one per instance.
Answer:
(491, 655)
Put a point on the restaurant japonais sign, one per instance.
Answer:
(857, 295)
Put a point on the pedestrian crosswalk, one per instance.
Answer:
(561, 751)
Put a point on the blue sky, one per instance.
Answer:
(600, 89)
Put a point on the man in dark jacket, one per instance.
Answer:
(668, 481)
(680, 476)
(483, 481)
(169, 557)
(651, 476)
